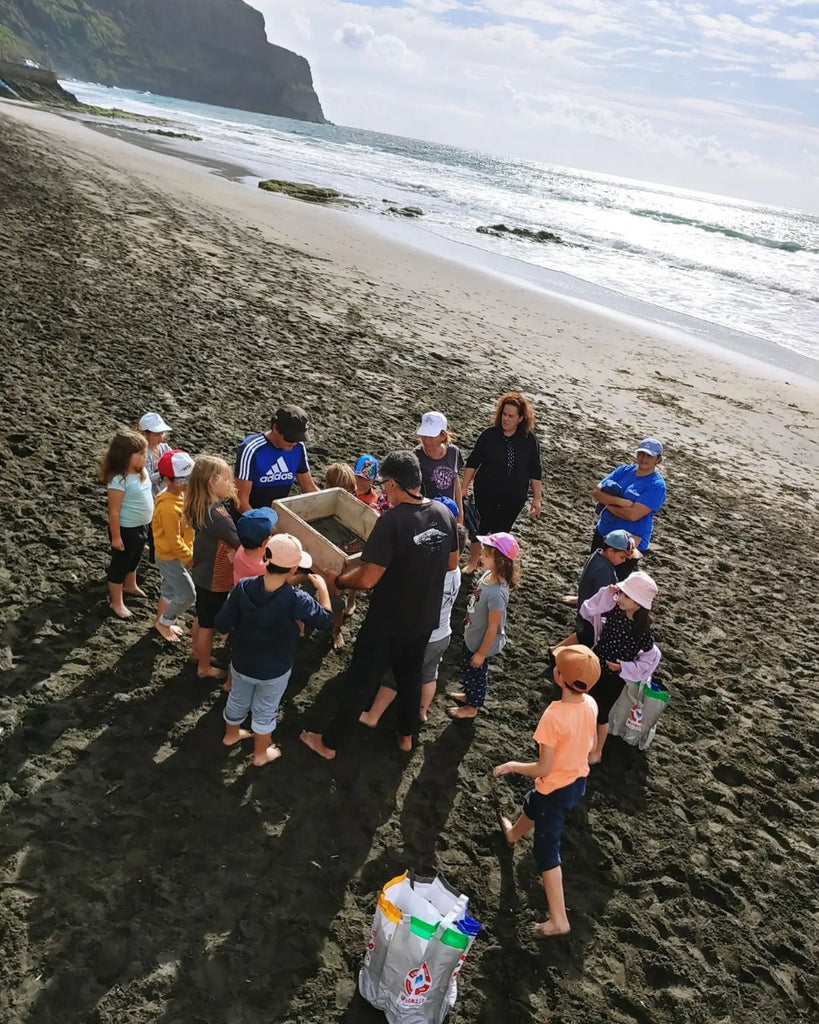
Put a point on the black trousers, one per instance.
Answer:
(621, 571)
(375, 651)
(124, 562)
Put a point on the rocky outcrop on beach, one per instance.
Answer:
(500, 230)
(301, 190)
(402, 211)
(20, 82)
(212, 51)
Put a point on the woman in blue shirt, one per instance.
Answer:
(631, 495)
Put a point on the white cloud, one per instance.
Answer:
(683, 92)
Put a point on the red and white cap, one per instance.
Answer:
(175, 465)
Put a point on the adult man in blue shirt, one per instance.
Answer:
(642, 493)
(268, 464)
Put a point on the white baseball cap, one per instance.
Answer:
(432, 423)
(285, 550)
(153, 421)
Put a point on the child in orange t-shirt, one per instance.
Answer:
(565, 734)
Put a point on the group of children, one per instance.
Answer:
(243, 579)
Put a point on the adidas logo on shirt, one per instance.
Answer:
(278, 473)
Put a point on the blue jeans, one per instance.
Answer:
(177, 589)
(260, 697)
(548, 811)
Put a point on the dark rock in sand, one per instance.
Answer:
(301, 190)
(405, 211)
(499, 230)
(174, 135)
(38, 85)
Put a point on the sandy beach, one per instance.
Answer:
(149, 875)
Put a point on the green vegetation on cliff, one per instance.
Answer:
(213, 51)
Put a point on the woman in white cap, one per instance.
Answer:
(630, 496)
(623, 641)
(441, 460)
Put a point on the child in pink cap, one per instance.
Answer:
(485, 631)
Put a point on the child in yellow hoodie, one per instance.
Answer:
(173, 540)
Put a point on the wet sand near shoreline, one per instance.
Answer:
(147, 873)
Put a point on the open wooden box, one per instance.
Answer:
(338, 517)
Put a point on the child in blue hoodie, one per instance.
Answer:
(261, 615)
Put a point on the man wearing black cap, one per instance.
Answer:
(405, 559)
(267, 465)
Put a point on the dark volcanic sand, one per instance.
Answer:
(150, 876)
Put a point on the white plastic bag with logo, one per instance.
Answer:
(420, 936)
(636, 712)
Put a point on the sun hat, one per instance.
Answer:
(432, 423)
(286, 551)
(579, 667)
(291, 422)
(503, 542)
(448, 503)
(617, 539)
(153, 422)
(175, 465)
(651, 446)
(640, 587)
(367, 466)
(255, 526)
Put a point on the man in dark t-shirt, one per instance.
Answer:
(405, 559)
(268, 464)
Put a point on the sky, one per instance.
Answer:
(716, 96)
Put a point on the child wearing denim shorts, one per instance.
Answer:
(565, 735)
(261, 615)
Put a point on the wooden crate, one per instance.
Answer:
(299, 510)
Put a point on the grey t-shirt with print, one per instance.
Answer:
(486, 598)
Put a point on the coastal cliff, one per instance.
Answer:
(212, 51)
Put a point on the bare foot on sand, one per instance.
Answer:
(314, 741)
(167, 632)
(548, 929)
(465, 713)
(241, 734)
(369, 719)
(506, 828)
(459, 698)
(271, 754)
(136, 592)
(121, 611)
(338, 641)
(212, 673)
(404, 743)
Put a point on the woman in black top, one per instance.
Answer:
(504, 463)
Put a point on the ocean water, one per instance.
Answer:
(739, 274)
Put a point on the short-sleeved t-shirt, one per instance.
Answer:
(486, 598)
(244, 566)
(571, 728)
(647, 490)
(438, 476)
(137, 499)
(271, 471)
(452, 584)
(414, 543)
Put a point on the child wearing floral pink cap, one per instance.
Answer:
(485, 631)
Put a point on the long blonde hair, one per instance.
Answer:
(117, 458)
(199, 499)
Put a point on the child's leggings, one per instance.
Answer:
(475, 680)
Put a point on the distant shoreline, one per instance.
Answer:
(676, 327)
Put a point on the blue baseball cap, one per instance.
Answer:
(367, 466)
(447, 503)
(651, 446)
(617, 539)
(255, 526)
